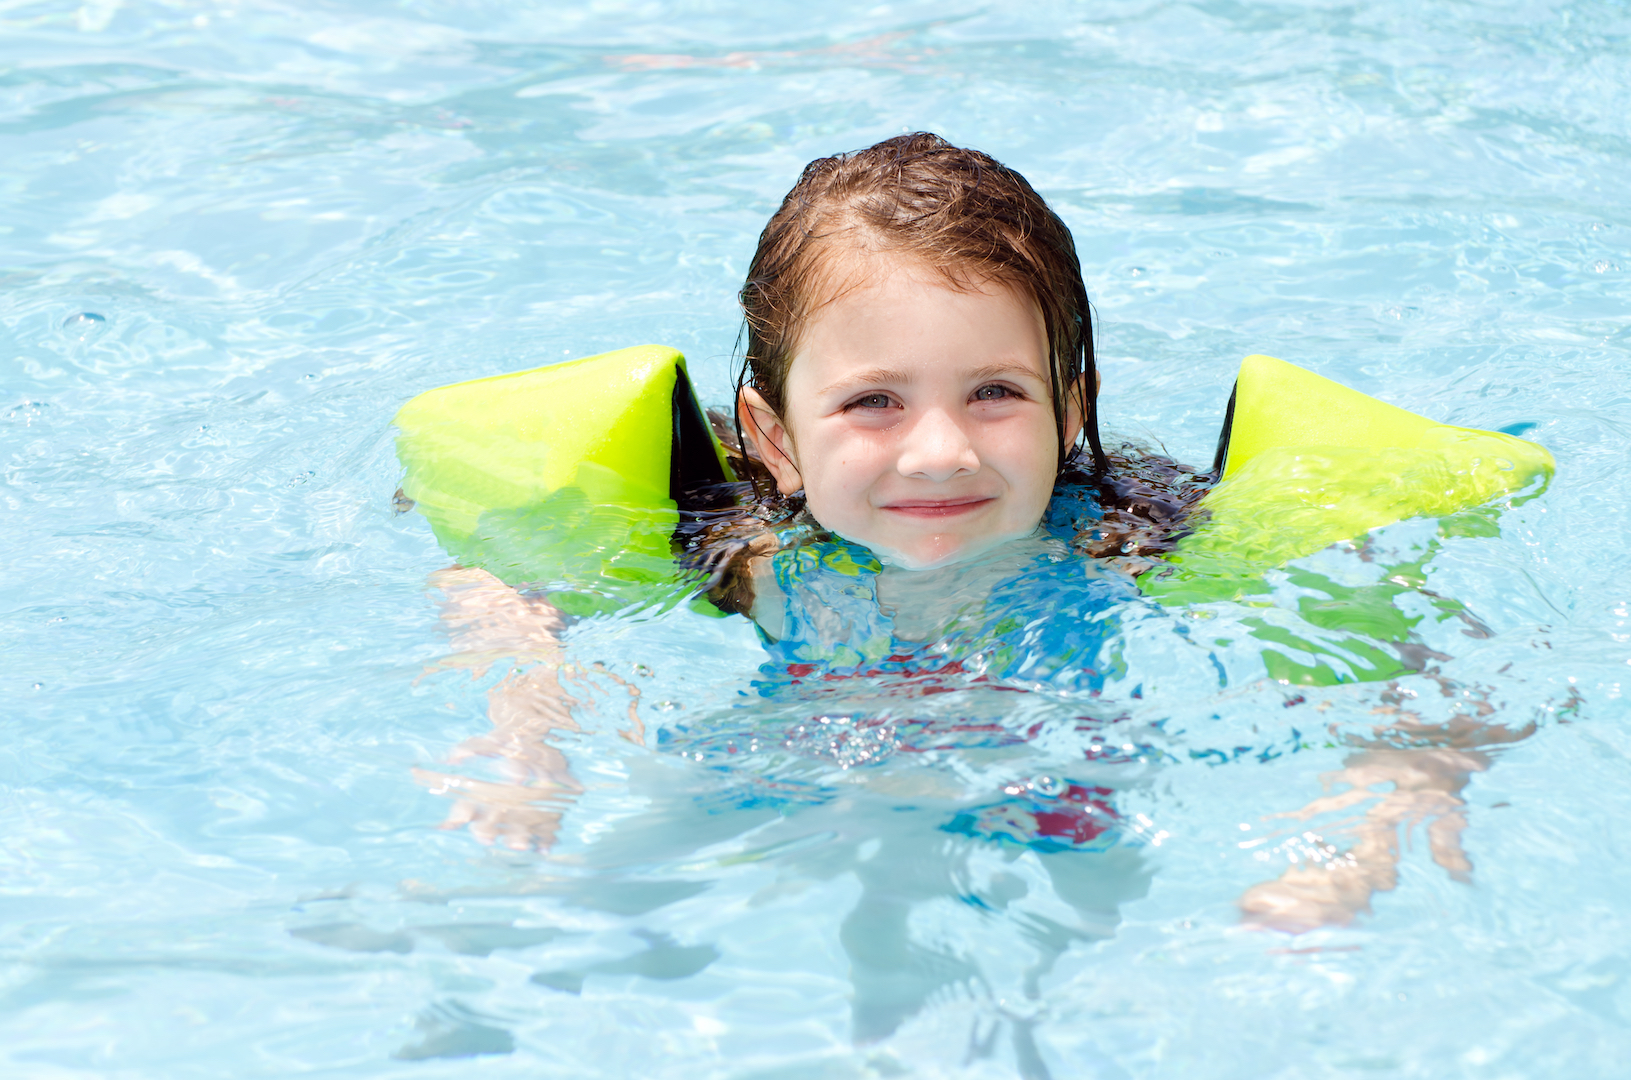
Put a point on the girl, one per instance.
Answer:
(917, 387)
(918, 379)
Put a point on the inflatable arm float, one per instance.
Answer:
(567, 475)
(1304, 462)
(571, 474)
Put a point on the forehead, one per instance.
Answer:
(847, 272)
(849, 260)
(889, 312)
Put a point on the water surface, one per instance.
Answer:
(236, 237)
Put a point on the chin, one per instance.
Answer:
(937, 552)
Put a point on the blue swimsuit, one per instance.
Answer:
(1029, 615)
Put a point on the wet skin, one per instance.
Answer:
(918, 415)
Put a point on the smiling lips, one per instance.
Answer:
(939, 508)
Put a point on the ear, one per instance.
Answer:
(770, 437)
(1075, 400)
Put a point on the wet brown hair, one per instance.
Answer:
(958, 211)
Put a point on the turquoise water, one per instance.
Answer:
(236, 237)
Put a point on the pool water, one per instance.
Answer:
(238, 236)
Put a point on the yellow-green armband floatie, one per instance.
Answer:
(565, 476)
(1305, 462)
(568, 476)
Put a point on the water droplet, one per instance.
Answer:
(84, 326)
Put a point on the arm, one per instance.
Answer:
(1330, 887)
(490, 623)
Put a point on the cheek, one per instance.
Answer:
(841, 470)
(1029, 453)
(848, 457)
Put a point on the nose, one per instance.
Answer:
(937, 448)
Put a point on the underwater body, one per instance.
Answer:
(239, 237)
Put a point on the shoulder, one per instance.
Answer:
(767, 606)
(1134, 513)
(725, 532)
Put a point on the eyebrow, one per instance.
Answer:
(869, 378)
(1009, 367)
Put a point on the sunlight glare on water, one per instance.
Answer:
(237, 236)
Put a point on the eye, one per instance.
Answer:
(993, 392)
(871, 401)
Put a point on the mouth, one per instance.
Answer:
(939, 509)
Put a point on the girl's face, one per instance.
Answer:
(919, 420)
